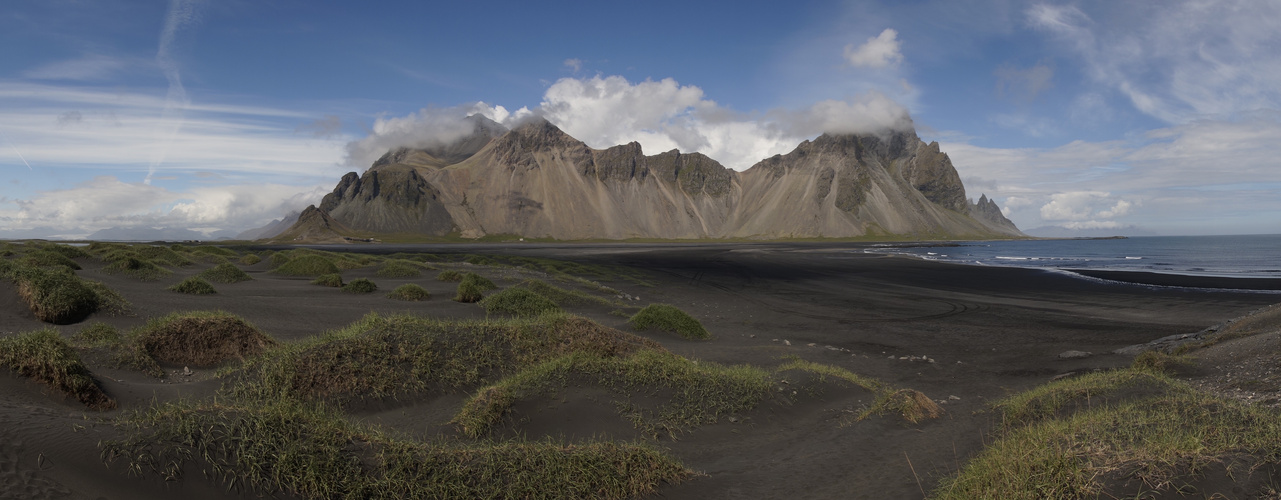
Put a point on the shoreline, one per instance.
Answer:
(1182, 280)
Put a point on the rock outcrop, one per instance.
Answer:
(537, 181)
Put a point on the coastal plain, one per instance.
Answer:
(963, 336)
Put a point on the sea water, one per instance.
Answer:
(1246, 256)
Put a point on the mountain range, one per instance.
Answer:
(537, 181)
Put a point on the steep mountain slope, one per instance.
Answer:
(314, 226)
(537, 181)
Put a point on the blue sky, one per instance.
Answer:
(219, 116)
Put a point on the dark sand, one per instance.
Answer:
(989, 331)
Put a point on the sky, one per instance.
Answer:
(217, 116)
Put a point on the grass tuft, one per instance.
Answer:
(331, 280)
(250, 259)
(49, 258)
(55, 295)
(1137, 443)
(164, 255)
(398, 268)
(307, 265)
(200, 338)
(410, 292)
(45, 356)
(194, 286)
(225, 273)
(563, 297)
(137, 268)
(449, 275)
(518, 302)
(669, 318)
(360, 285)
(472, 288)
(316, 453)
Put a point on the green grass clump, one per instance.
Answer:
(55, 295)
(1154, 434)
(1160, 362)
(250, 259)
(410, 292)
(163, 255)
(696, 393)
(333, 280)
(449, 275)
(44, 356)
(67, 251)
(277, 259)
(109, 301)
(307, 265)
(399, 269)
(472, 288)
(563, 297)
(197, 338)
(316, 453)
(48, 258)
(360, 285)
(213, 250)
(386, 356)
(669, 318)
(137, 268)
(225, 273)
(194, 286)
(518, 302)
(910, 404)
(98, 334)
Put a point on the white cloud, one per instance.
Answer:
(878, 52)
(664, 115)
(660, 115)
(574, 64)
(1179, 60)
(105, 202)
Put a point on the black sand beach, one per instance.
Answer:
(963, 335)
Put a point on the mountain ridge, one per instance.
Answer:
(537, 181)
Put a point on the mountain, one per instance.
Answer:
(314, 226)
(538, 181)
(272, 228)
(146, 234)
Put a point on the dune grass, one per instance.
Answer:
(696, 392)
(67, 251)
(449, 275)
(49, 258)
(315, 453)
(193, 286)
(250, 259)
(360, 285)
(307, 265)
(409, 292)
(399, 268)
(671, 319)
(277, 259)
(330, 280)
(46, 357)
(518, 302)
(1115, 434)
(563, 297)
(383, 356)
(56, 295)
(136, 268)
(195, 338)
(163, 255)
(225, 273)
(472, 288)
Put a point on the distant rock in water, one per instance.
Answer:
(538, 181)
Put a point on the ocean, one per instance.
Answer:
(1245, 256)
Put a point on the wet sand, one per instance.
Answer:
(989, 332)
